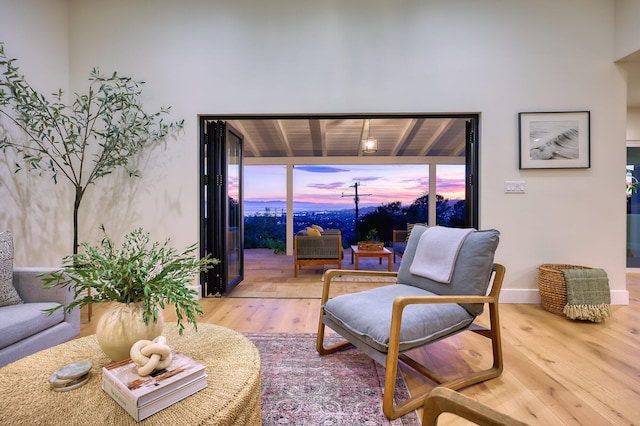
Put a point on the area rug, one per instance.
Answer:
(300, 387)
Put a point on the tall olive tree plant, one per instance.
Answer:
(99, 132)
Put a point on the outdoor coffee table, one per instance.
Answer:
(370, 253)
(232, 396)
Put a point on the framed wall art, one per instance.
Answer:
(555, 140)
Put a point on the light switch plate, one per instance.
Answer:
(514, 187)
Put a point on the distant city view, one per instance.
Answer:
(331, 187)
(273, 206)
(390, 196)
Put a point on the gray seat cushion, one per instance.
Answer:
(26, 319)
(471, 273)
(367, 315)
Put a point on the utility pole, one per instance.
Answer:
(356, 199)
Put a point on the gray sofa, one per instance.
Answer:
(24, 328)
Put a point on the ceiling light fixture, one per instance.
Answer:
(369, 145)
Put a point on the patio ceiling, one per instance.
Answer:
(342, 137)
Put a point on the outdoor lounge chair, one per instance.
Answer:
(389, 321)
(319, 250)
(398, 243)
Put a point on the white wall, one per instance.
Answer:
(633, 125)
(494, 57)
(38, 212)
(627, 31)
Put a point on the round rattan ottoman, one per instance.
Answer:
(232, 396)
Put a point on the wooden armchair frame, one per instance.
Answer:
(444, 400)
(391, 358)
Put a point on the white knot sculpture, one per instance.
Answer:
(151, 355)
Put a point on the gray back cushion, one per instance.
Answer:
(471, 273)
(8, 294)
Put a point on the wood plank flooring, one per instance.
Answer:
(557, 371)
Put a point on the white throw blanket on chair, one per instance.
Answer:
(437, 251)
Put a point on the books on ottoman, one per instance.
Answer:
(162, 402)
(142, 396)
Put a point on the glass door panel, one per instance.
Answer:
(234, 212)
(633, 208)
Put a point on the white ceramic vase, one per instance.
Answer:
(121, 326)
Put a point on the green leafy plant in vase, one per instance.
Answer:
(372, 235)
(141, 278)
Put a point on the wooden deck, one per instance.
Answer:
(557, 371)
(271, 275)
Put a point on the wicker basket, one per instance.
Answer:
(553, 288)
(370, 245)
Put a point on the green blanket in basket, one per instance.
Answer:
(588, 295)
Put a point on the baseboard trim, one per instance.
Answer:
(532, 296)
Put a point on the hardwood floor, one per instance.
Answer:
(557, 371)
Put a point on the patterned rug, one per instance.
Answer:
(299, 387)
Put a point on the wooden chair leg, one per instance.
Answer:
(320, 347)
(389, 408)
(394, 411)
(443, 400)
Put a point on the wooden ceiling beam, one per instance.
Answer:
(318, 131)
(247, 140)
(441, 130)
(460, 149)
(408, 133)
(282, 138)
(323, 138)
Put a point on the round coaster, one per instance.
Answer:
(74, 370)
(57, 382)
(74, 384)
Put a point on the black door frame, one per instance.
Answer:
(215, 208)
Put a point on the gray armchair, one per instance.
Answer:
(388, 322)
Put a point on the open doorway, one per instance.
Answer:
(297, 141)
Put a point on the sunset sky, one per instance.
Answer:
(327, 184)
